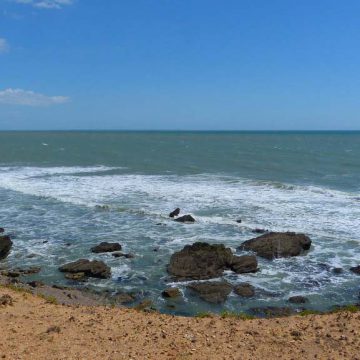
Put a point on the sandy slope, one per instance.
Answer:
(31, 328)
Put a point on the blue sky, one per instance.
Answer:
(180, 64)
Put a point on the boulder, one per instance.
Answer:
(355, 269)
(5, 246)
(106, 247)
(276, 244)
(214, 292)
(200, 261)
(171, 293)
(174, 213)
(244, 264)
(244, 290)
(185, 219)
(95, 268)
(298, 299)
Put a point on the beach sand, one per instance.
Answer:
(34, 328)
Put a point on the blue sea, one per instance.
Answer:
(63, 192)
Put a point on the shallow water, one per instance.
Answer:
(52, 182)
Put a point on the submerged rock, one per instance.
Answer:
(95, 268)
(298, 299)
(185, 219)
(106, 247)
(214, 292)
(278, 244)
(200, 261)
(244, 290)
(120, 254)
(355, 269)
(171, 293)
(174, 213)
(5, 246)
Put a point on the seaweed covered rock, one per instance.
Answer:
(212, 291)
(5, 246)
(95, 268)
(278, 244)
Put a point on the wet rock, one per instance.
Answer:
(259, 231)
(244, 264)
(5, 246)
(106, 247)
(124, 297)
(35, 284)
(6, 300)
(79, 276)
(174, 213)
(2, 230)
(298, 299)
(214, 292)
(185, 219)
(120, 254)
(337, 270)
(239, 221)
(200, 261)
(276, 244)
(244, 290)
(95, 268)
(272, 311)
(145, 305)
(171, 293)
(355, 269)
(19, 272)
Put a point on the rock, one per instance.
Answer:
(239, 221)
(244, 290)
(6, 300)
(259, 231)
(200, 261)
(275, 245)
(123, 297)
(120, 254)
(214, 292)
(171, 293)
(244, 264)
(19, 272)
(185, 219)
(145, 305)
(5, 246)
(2, 230)
(79, 276)
(355, 269)
(106, 247)
(35, 284)
(174, 213)
(95, 268)
(298, 299)
(337, 270)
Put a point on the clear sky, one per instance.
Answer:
(180, 64)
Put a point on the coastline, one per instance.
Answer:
(36, 327)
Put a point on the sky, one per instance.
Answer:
(180, 64)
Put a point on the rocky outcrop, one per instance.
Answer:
(244, 264)
(244, 290)
(171, 293)
(95, 268)
(298, 299)
(174, 213)
(185, 219)
(5, 246)
(106, 247)
(214, 292)
(275, 245)
(355, 269)
(201, 261)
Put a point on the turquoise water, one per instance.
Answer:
(52, 182)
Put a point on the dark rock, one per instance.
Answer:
(239, 221)
(6, 300)
(145, 305)
(36, 284)
(79, 276)
(200, 261)
(185, 219)
(124, 297)
(337, 270)
(120, 254)
(2, 230)
(45, 241)
(106, 247)
(259, 231)
(298, 299)
(19, 272)
(95, 268)
(244, 264)
(272, 311)
(171, 293)
(244, 290)
(174, 213)
(5, 246)
(355, 269)
(275, 245)
(214, 292)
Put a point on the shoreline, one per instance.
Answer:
(34, 327)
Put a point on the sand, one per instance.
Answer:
(33, 328)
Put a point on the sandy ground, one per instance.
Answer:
(32, 328)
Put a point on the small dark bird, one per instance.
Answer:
(174, 213)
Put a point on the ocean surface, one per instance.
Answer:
(63, 192)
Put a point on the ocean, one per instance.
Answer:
(63, 192)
